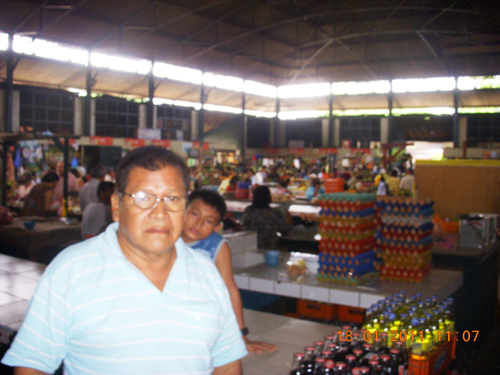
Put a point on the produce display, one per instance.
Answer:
(347, 228)
(404, 237)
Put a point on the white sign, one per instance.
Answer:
(148, 133)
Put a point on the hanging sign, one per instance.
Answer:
(161, 142)
(134, 142)
(101, 141)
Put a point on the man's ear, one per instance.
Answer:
(218, 227)
(115, 207)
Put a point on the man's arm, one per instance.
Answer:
(27, 371)
(233, 368)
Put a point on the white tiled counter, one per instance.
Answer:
(251, 273)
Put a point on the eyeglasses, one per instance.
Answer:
(148, 201)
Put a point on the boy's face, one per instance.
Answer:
(200, 220)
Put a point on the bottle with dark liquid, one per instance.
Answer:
(319, 366)
(308, 362)
(297, 364)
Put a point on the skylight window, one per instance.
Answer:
(358, 88)
(160, 101)
(177, 73)
(250, 112)
(261, 89)
(182, 103)
(484, 82)
(223, 82)
(304, 91)
(221, 108)
(4, 41)
(424, 111)
(361, 112)
(423, 84)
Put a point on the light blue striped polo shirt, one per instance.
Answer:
(99, 314)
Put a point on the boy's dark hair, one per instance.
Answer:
(50, 177)
(105, 186)
(210, 198)
(152, 158)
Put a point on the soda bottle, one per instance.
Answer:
(340, 368)
(297, 365)
(308, 362)
(319, 365)
(328, 340)
(350, 361)
(318, 345)
(397, 361)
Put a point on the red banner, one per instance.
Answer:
(206, 146)
(134, 142)
(101, 141)
(161, 142)
(325, 151)
(273, 151)
(71, 141)
(296, 151)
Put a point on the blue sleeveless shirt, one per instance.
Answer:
(209, 246)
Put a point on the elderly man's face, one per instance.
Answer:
(149, 232)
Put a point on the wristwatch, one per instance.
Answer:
(244, 331)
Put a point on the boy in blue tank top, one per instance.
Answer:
(202, 219)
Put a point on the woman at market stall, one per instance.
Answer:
(265, 220)
(40, 198)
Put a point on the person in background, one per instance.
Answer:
(78, 176)
(381, 186)
(39, 201)
(111, 175)
(228, 185)
(233, 182)
(260, 176)
(283, 188)
(72, 184)
(97, 216)
(89, 190)
(314, 189)
(393, 183)
(25, 184)
(202, 220)
(407, 182)
(134, 299)
(265, 220)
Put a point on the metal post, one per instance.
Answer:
(276, 123)
(88, 100)
(150, 105)
(243, 130)
(66, 172)
(390, 130)
(5, 148)
(330, 121)
(9, 86)
(455, 118)
(201, 124)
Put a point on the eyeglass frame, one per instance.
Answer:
(158, 199)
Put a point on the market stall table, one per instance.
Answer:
(40, 243)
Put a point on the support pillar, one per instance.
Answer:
(336, 133)
(9, 86)
(201, 120)
(455, 118)
(390, 126)
(88, 100)
(243, 127)
(330, 142)
(276, 124)
(150, 105)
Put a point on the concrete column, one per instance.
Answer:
(462, 130)
(281, 134)
(143, 116)
(155, 117)
(272, 125)
(2, 110)
(384, 130)
(16, 111)
(92, 117)
(456, 121)
(325, 136)
(79, 115)
(194, 125)
(336, 132)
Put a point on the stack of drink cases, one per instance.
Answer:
(398, 334)
(404, 237)
(347, 228)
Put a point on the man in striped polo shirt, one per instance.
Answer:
(135, 299)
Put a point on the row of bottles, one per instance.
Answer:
(421, 325)
(394, 329)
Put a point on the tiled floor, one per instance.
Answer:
(18, 279)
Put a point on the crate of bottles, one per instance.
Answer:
(436, 362)
(347, 228)
(404, 237)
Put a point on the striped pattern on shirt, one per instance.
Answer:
(99, 314)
